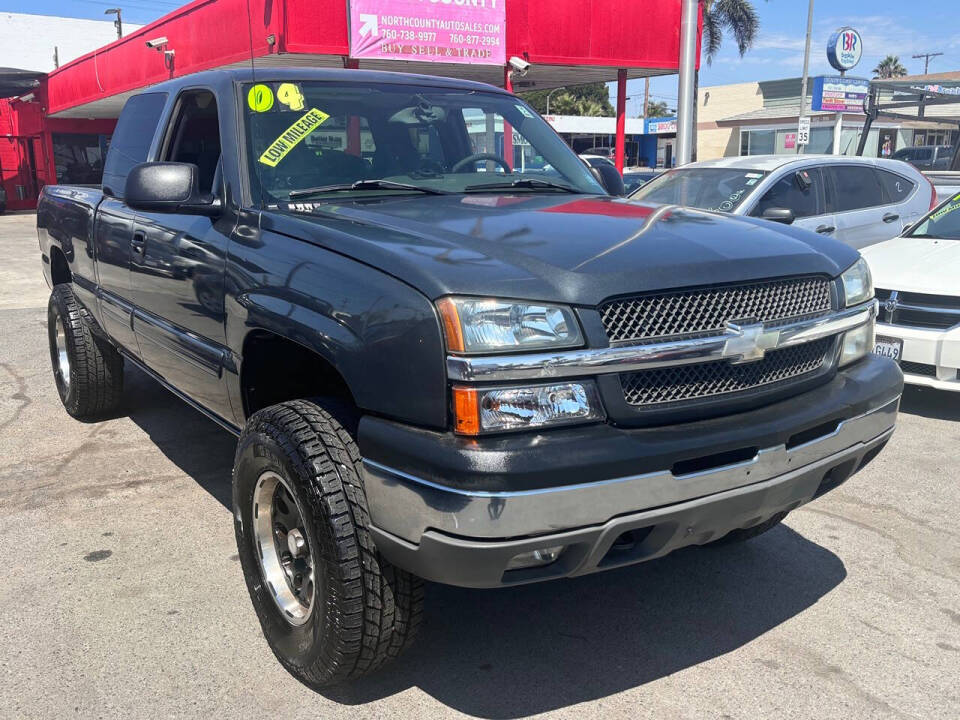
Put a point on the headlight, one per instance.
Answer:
(476, 325)
(857, 343)
(480, 410)
(857, 283)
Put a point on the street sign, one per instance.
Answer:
(839, 94)
(444, 31)
(803, 131)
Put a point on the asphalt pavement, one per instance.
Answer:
(121, 594)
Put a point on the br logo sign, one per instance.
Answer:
(844, 49)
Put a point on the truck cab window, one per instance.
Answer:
(194, 136)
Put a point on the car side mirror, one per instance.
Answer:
(168, 187)
(610, 178)
(780, 215)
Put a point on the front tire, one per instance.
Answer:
(87, 369)
(330, 607)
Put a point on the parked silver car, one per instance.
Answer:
(860, 201)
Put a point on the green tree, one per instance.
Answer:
(592, 100)
(889, 67)
(657, 109)
(738, 17)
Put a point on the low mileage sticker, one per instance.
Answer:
(293, 136)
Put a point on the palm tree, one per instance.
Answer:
(889, 67)
(657, 109)
(740, 19)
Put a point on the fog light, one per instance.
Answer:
(534, 558)
(857, 343)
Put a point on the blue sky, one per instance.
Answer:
(887, 26)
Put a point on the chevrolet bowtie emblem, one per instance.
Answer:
(749, 342)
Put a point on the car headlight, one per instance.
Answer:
(857, 283)
(477, 325)
(483, 410)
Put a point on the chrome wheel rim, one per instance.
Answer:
(62, 356)
(283, 548)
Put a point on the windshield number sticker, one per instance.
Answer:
(293, 136)
(290, 95)
(260, 98)
(523, 111)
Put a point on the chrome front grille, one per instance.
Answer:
(678, 383)
(920, 310)
(703, 311)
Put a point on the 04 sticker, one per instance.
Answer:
(260, 98)
(293, 136)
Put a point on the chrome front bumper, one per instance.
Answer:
(406, 507)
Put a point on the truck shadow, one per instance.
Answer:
(520, 651)
(196, 444)
(525, 650)
(930, 403)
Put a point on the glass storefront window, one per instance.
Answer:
(79, 158)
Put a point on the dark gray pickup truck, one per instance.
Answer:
(440, 365)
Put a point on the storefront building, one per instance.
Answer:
(761, 119)
(59, 130)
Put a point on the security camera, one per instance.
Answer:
(519, 65)
(156, 43)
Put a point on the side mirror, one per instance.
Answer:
(780, 215)
(610, 178)
(168, 187)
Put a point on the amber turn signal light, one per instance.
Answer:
(466, 411)
(451, 324)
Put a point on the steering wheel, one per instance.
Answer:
(477, 157)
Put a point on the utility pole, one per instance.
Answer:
(646, 96)
(686, 101)
(118, 23)
(806, 70)
(56, 57)
(926, 59)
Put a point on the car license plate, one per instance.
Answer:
(888, 347)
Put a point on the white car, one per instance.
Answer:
(917, 281)
(858, 200)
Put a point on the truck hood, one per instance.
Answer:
(924, 265)
(574, 249)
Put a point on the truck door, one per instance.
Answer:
(130, 145)
(177, 266)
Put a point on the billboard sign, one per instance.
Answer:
(450, 31)
(839, 94)
(844, 49)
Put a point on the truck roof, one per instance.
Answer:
(274, 74)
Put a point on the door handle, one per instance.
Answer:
(826, 229)
(890, 217)
(139, 243)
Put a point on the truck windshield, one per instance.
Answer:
(944, 222)
(722, 189)
(319, 139)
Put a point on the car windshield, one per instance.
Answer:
(944, 222)
(325, 137)
(722, 189)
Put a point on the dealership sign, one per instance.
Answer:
(839, 94)
(844, 49)
(451, 31)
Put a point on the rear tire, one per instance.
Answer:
(743, 534)
(87, 369)
(332, 609)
